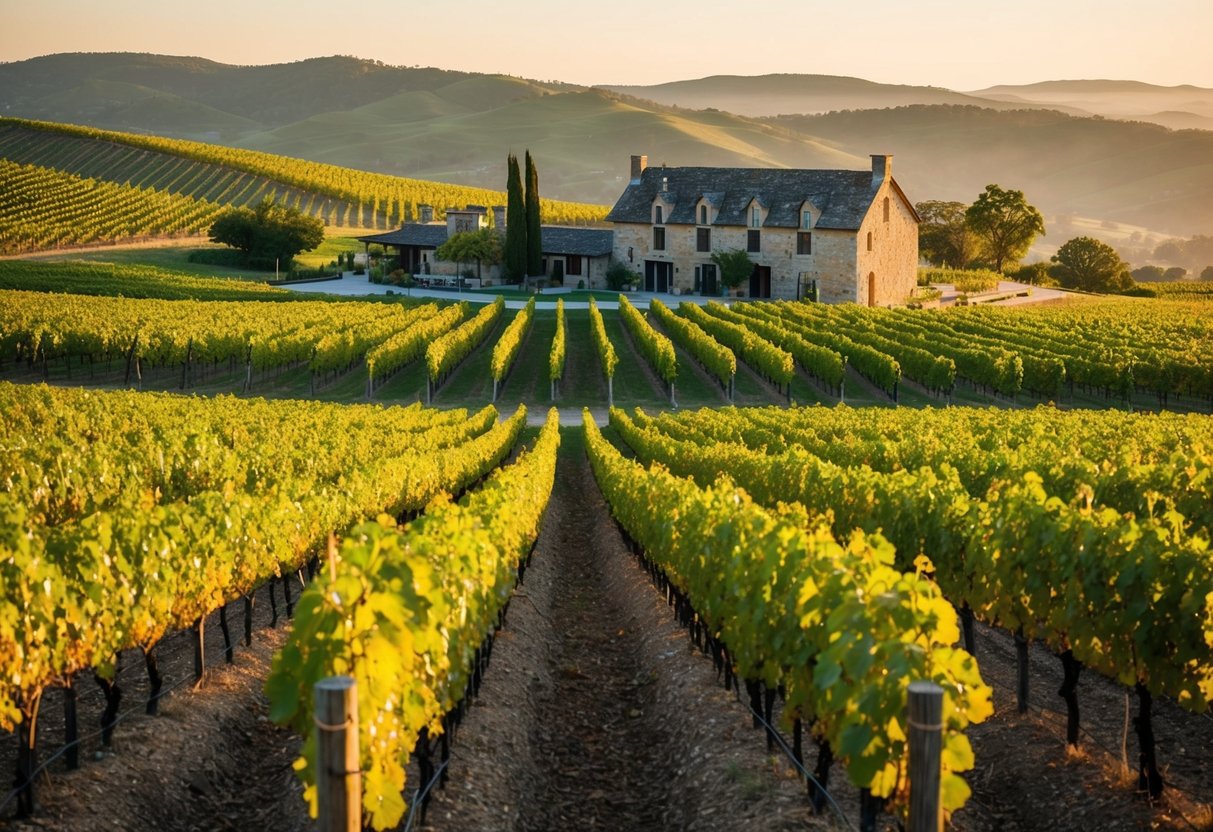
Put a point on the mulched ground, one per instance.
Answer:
(1027, 779)
(209, 761)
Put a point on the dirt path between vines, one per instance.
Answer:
(596, 713)
(210, 760)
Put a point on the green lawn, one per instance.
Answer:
(175, 258)
(327, 251)
(527, 381)
(170, 258)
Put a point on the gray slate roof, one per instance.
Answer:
(842, 196)
(557, 239)
(426, 235)
(589, 242)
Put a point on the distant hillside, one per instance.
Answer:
(772, 95)
(1123, 171)
(581, 140)
(457, 127)
(196, 98)
(1179, 107)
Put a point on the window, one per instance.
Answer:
(703, 239)
(886, 209)
(703, 215)
(806, 220)
(573, 264)
(658, 216)
(869, 241)
(753, 241)
(755, 217)
(658, 239)
(804, 242)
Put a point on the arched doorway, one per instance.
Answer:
(871, 288)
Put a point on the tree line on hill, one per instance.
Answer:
(998, 228)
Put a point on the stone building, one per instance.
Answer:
(837, 235)
(571, 254)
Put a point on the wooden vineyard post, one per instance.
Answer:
(925, 736)
(338, 775)
(610, 391)
(1021, 661)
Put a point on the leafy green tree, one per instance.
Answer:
(943, 236)
(534, 238)
(515, 224)
(1207, 274)
(1147, 274)
(1005, 224)
(1034, 274)
(1175, 273)
(479, 247)
(735, 266)
(1086, 263)
(269, 235)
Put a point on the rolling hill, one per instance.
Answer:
(772, 95)
(456, 127)
(1130, 172)
(1180, 107)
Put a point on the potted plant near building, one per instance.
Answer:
(735, 268)
(619, 278)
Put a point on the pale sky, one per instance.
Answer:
(960, 44)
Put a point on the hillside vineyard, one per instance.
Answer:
(230, 176)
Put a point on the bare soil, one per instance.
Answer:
(596, 712)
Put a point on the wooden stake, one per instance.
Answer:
(338, 778)
(1021, 661)
(925, 737)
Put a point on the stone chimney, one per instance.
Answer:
(639, 163)
(882, 169)
(499, 217)
(425, 213)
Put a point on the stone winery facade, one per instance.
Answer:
(836, 235)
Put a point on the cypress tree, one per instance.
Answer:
(515, 224)
(534, 241)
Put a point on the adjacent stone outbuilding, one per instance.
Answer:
(837, 235)
(571, 254)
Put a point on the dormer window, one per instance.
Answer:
(703, 215)
(755, 217)
(658, 215)
(806, 220)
